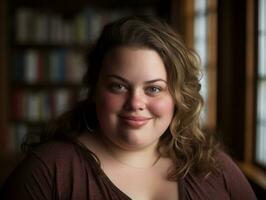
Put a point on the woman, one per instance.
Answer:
(137, 134)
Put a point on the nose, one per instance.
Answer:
(135, 101)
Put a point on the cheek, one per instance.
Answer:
(107, 106)
(162, 107)
(107, 102)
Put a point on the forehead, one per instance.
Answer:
(134, 62)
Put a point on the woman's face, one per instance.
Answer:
(133, 103)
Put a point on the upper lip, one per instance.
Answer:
(134, 118)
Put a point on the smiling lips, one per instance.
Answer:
(134, 121)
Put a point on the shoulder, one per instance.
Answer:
(235, 181)
(49, 159)
(33, 177)
(229, 170)
(50, 168)
(227, 182)
(61, 158)
(55, 151)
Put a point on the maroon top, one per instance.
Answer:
(60, 170)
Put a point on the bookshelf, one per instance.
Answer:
(45, 44)
(42, 48)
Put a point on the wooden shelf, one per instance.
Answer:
(29, 122)
(45, 85)
(51, 46)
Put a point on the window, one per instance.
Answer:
(261, 86)
(255, 122)
(200, 44)
(204, 42)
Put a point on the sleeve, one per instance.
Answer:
(30, 180)
(236, 183)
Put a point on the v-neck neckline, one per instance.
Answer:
(103, 176)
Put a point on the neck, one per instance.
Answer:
(141, 158)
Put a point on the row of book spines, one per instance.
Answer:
(58, 66)
(40, 106)
(48, 27)
(18, 133)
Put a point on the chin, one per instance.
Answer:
(136, 143)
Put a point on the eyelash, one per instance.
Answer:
(150, 90)
(117, 87)
(120, 88)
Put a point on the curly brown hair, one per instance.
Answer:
(184, 142)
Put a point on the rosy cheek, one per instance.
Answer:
(108, 102)
(162, 107)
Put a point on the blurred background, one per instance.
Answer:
(42, 49)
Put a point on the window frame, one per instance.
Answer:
(250, 167)
(183, 22)
(257, 81)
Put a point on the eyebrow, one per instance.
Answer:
(146, 82)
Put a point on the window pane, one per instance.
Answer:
(262, 38)
(262, 55)
(261, 124)
(261, 97)
(200, 44)
(262, 15)
(200, 5)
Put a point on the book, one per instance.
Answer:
(22, 24)
(31, 66)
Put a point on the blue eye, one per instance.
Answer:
(153, 90)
